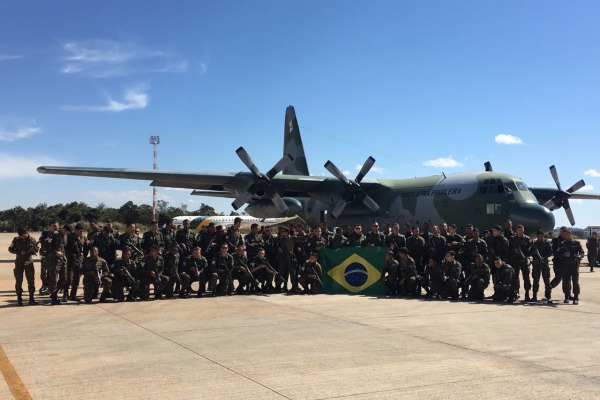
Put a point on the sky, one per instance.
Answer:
(423, 87)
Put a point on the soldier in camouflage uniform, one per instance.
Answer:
(131, 240)
(24, 247)
(478, 278)
(541, 250)
(254, 241)
(497, 247)
(151, 273)
(395, 240)
(432, 279)
(310, 275)
(241, 271)
(186, 240)
(107, 245)
(316, 242)
(168, 235)
(125, 271)
(518, 250)
(503, 287)
(409, 277)
(356, 237)
(592, 245)
(264, 273)
(374, 238)
(436, 245)
(74, 253)
(172, 259)
(452, 273)
(152, 238)
(234, 237)
(475, 245)
(338, 240)
(44, 261)
(95, 274)
(196, 267)
(570, 254)
(220, 272)
(55, 259)
(416, 247)
(390, 274)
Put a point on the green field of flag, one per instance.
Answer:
(353, 270)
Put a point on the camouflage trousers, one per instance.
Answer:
(55, 272)
(570, 272)
(24, 268)
(477, 288)
(522, 267)
(541, 268)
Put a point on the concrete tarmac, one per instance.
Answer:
(299, 347)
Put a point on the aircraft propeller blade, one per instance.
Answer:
(353, 189)
(365, 169)
(569, 212)
(262, 182)
(561, 197)
(555, 176)
(329, 166)
(245, 157)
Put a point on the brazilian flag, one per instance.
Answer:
(353, 270)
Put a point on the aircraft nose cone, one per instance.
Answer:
(532, 217)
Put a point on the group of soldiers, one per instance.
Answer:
(169, 260)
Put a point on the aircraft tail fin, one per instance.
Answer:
(292, 145)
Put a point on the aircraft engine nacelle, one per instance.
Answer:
(265, 208)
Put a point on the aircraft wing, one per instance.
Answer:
(210, 184)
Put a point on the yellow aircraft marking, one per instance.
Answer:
(12, 378)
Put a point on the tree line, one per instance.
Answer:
(37, 218)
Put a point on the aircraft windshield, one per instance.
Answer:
(517, 185)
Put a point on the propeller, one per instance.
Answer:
(561, 197)
(353, 189)
(262, 182)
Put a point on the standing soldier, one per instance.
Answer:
(541, 250)
(338, 240)
(55, 259)
(556, 261)
(390, 273)
(130, 239)
(374, 238)
(316, 242)
(456, 243)
(254, 241)
(570, 254)
(74, 253)
(503, 287)
(286, 260)
(168, 234)
(416, 247)
(475, 245)
(152, 238)
(395, 240)
(234, 237)
(356, 237)
(185, 238)
(172, 272)
(436, 245)
(24, 247)
(518, 249)
(44, 260)
(107, 245)
(497, 247)
(300, 241)
(93, 232)
(592, 245)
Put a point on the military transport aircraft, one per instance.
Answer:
(484, 198)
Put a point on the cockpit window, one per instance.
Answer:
(511, 186)
(521, 186)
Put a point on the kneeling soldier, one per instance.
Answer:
(310, 275)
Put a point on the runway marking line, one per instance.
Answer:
(12, 378)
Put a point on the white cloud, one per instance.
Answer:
(12, 166)
(108, 58)
(134, 98)
(5, 57)
(443, 162)
(587, 188)
(508, 139)
(18, 129)
(593, 173)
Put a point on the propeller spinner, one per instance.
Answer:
(262, 182)
(353, 189)
(561, 197)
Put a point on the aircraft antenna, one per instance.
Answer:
(154, 140)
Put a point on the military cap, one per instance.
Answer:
(78, 226)
(21, 230)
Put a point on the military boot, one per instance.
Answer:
(54, 299)
(576, 300)
(534, 298)
(65, 297)
(103, 297)
(527, 298)
(566, 301)
(32, 301)
(19, 300)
